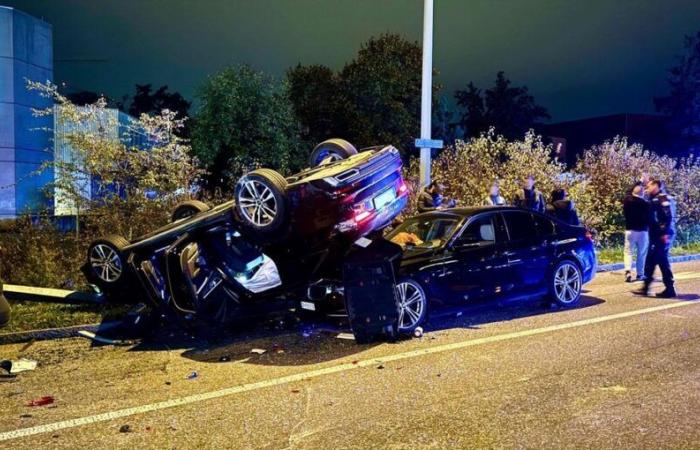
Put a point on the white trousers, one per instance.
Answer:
(636, 246)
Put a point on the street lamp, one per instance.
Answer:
(425, 143)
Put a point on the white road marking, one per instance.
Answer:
(197, 398)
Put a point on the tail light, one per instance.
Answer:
(589, 235)
(402, 188)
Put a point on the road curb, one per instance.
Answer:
(674, 259)
(54, 333)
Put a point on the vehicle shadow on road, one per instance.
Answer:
(474, 316)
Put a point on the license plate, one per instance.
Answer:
(384, 198)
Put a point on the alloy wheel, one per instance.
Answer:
(105, 263)
(567, 283)
(257, 203)
(411, 305)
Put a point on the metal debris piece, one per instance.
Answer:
(45, 400)
(258, 351)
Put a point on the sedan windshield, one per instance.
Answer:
(424, 232)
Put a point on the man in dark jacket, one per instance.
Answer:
(562, 208)
(637, 212)
(430, 198)
(662, 230)
(530, 197)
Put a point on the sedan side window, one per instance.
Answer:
(545, 227)
(480, 231)
(520, 225)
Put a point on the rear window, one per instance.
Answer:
(520, 225)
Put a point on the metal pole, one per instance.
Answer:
(426, 90)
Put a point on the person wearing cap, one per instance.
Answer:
(662, 230)
(431, 198)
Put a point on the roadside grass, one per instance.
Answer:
(612, 255)
(34, 315)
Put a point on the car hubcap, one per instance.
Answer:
(411, 304)
(567, 283)
(257, 203)
(105, 262)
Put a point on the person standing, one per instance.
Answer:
(430, 198)
(562, 208)
(530, 197)
(495, 198)
(662, 230)
(637, 211)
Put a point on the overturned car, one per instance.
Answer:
(276, 237)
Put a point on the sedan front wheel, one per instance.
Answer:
(413, 305)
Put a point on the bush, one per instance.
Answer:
(469, 168)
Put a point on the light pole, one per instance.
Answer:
(426, 92)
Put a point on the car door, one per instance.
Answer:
(527, 250)
(477, 269)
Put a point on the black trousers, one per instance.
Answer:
(658, 256)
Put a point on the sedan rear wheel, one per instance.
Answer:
(412, 305)
(261, 200)
(566, 283)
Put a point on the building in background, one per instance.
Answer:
(108, 123)
(571, 138)
(26, 53)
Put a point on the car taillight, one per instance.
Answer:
(402, 188)
(359, 217)
(589, 235)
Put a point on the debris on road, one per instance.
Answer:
(21, 365)
(347, 336)
(381, 366)
(418, 332)
(125, 429)
(42, 401)
(225, 358)
(258, 351)
(193, 375)
(104, 340)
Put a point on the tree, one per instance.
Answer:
(147, 101)
(318, 101)
(683, 100)
(510, 110)
(244, 119)
(383, 88)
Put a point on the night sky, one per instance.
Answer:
(579, 58)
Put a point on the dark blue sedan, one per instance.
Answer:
(471, 255)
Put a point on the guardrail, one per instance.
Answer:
(50, 295)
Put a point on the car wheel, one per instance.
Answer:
(331, 150)
(413, 305)
(261, 200)
(566, 283)
(106, 260)
(188, 209)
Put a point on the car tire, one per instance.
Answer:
(565, 283)
(106, 261)
(261, 201)
(331, 150)
(188, 209)
(413, 305)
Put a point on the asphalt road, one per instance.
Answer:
(617, 372)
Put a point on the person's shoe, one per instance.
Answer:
(640, 278)
(644, 291)
(628, 277)
(667, 293)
